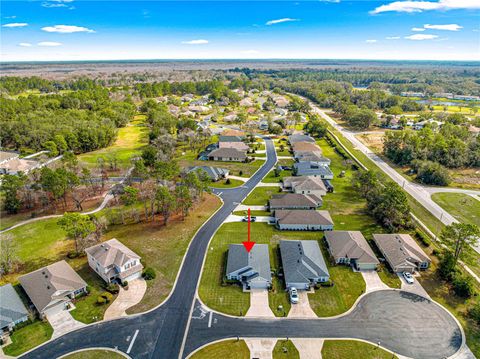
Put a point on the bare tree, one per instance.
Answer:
(8, 254)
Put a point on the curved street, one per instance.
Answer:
(405, 323)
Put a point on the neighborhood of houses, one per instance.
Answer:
(11, 163)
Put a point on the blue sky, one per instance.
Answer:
(49, 30)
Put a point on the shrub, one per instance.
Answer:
(112, 288)
(101, 300)
(422, 237)
(240, 173)
(474, 312)
(463, 286)
(228, 181)
(429, 172)
(125, 284)
(149, 273)
(107, 296)
(72, 255)
(88, 289)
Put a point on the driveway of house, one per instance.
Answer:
(63, 323)
(126, 299)
(260, 348)
(302, 309)
(235, 218)
(416, 287)
(373, 281)
(244, 207)
(308, 348)
(259, 304)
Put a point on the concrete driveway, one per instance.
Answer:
(261, 348)
(308, 348)
(373, 281)
(126, 299)
(235, 218)
(416, 287)
(259, 304)
(63, 323)
(302, 309)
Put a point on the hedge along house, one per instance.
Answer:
(252, 269)
(303, 264)
(351, 248)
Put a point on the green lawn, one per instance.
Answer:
(388, 277)
(246, 169)
(28, 337)
(260, 195)
(129, 142)
(348, 286)
(463, 207)
(95, 354)
(223, 183)
(227, 349)
(270, 177)
(230, 298)
(343, 349)
(8, 220)
(285, 349)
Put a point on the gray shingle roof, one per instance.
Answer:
(111, 252)
(300, 138)
(213, 173)
(11, 306)
(310, 168)
(400, 249)
(42, 284)
(350, 244)
(303, 216)
(302, 261)
(258, 260)
(222, 138)
(292, 200)
(306, 183)
(228, 153)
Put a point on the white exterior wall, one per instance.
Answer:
(305, 227)
(318, 193)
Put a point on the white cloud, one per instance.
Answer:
(279, 21)
(16, 24)
(58, 3)
(371, 41)
(49, 43)
(249, 52)
(332, 1)
(25, 44)
(393, 37)
(418, 37)
(418, 29)
(10, 17)
(66, 29)
(419, 6)
(195, 42)
(447, 27)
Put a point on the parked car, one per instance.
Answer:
(293, 294)
(286, 168)
(252, 219)
(408, 277)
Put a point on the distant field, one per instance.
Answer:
(463, 207)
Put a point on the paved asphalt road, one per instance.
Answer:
(405, 323)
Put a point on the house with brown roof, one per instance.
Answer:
(402, 252)
(294, 201)
(305, 146)
(114, 261)
(228, 155)
(241, 146)
(351, 248)
(303, 220)
(233, 132)
(309, 185)
(52, 288)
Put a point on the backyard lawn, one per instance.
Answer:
(285, 349)
(261, 195)
(223, 183)
(236, 168)
(463, 207)
(230, 298)
(341, 349)
(227, 349)
(130, 140)
(270, 177)
(28, 337)
(95, 354)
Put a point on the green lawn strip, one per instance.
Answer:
(252, 213)
(229, 298)
(341, 349)
(270, 177)
(95, 354)
(463, 207)
(8, 220)
(278, 296)
(388, 277)
(258, 155)
(285, 349)
(223, 183)
(129, 142)
(247, 169)
(286, 162)
(348, 286)
(28, 337)
(227, 349)
(261, 195)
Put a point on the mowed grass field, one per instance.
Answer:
(342, 349)
(130, 140)
(463, 207)
(95, 354)
(28, 337)
(227, 349)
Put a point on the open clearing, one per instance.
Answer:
(463, 207)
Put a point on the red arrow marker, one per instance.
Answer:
(248, 245)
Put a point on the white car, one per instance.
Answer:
(408, 277)
(293, 295)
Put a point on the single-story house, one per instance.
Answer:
(187, 97)
(402, 252)
(12, 309)
(351, 248)
(281, 101)
(198, 109)
(227, 154)
(281, 111)
(6, 156)
(232, 132)
(312, 169)
(294, 201)
(246, 102)
(223, 138)
(303, 263)
(263, 125)
(114, 262)
(52, 288)
(252, 268)
(305, 146)
(301, 156)
(241, 146)
(300, 138)
(305, 185)
(303, 220)
(214, 173)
